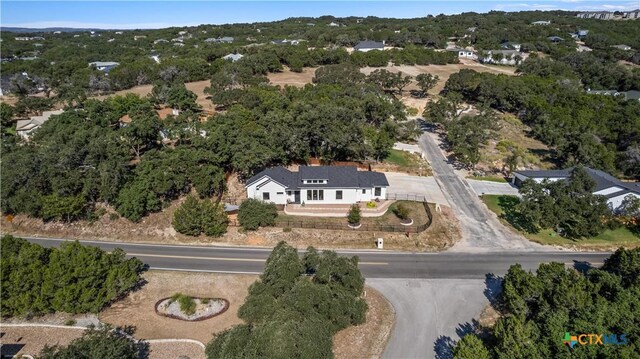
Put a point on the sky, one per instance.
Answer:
(159, 14)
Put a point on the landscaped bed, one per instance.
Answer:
(416, 212)
(183, 307)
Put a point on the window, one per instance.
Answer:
(265, 196)
(279, 192)
(364, 191)
(338, 194)
(378, 191)
(315, 195)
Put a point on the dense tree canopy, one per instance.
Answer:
(103, 343)
(71, 279)
(540, 307)
(296, 307)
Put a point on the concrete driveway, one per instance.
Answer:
(488, 187)
(433, 314)
(401, 183)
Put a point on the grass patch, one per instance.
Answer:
(187, 304)
(400, 158)
(503, 206)
(489, 178)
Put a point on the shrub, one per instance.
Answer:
(353, 217)
(254, 214)
(286, 229)
(401, 211)
(103, 343)
(200, 216)
(371, 204)
(70, 322)
(205, 301)
(187, 304)
(113, 216)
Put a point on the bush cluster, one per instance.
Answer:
(72, 279)
(195, 216)
(296, 307)
(254, 214)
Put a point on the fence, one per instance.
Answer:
(363, 227)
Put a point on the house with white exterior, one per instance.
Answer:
(606, 185)
(25, 127)
(233, 57)
(104, 66)
(317, 185)
(464, 53)
(502, 57)
(364, 46)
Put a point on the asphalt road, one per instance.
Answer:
(481, 230)
(373, 264)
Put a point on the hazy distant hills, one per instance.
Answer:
(46, 29)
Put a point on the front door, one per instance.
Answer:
(296, 196)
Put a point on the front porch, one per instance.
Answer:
(337, 210)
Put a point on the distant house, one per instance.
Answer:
(622, 47)
(155, 58)
(364, 46)
(317, 185)
(555, 38)
(311, 24)
(225, 39)
(333, 24)
(600, 15)
(118, 32)
(606, 185)
(632, 15)
(160, 41)
(626, 95)
(27, 38)
(104, 66)
(502, 57)
(25, 127)
(464, 53)
(471, 29)
(542, 22)
(137, 37)
(57, 32)
(287, 42)
(233, 57)
(507, 45)
(582, 34)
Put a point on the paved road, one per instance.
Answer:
(488, 187)
(374, 264)
(481, 230)
(431, 314)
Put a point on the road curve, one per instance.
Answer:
(373, 264)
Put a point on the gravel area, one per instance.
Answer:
(175, 350)
(171, 307)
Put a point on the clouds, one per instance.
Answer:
(572, 5)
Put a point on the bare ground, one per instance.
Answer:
(31, 341)
(367, 340)
(138, 308)
(156, 228)
(288, 77)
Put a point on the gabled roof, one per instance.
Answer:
(367, 44)
(602, 179)
(336, 176)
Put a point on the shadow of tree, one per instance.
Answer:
(467, 328)
(582, 266)
(508, 204)
(443, 347)
(493, 288)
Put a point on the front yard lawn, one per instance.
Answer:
(503, 206)
(416, 213)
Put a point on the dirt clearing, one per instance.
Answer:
(138, 308)
(288, 77)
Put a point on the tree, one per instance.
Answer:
(426, 82)
(63, 208)
(353, 217)
(187, 218)
(401, 211)
(338, 74)
(253, 214)
(103, 343)
(470, 347)
(195, 216)
(182, 99)
(400, 82)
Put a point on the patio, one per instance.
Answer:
(336, 210)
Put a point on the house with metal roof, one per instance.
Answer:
(367, 45)
(104, 66)
(25, 127)
(317, 185)
(233, 57)
(606, 185)
(464, 53)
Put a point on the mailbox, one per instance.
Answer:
(379, 243)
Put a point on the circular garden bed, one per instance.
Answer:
(191, 309)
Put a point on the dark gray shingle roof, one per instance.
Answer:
(367, 44)
(337, 177)
(603, 180)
